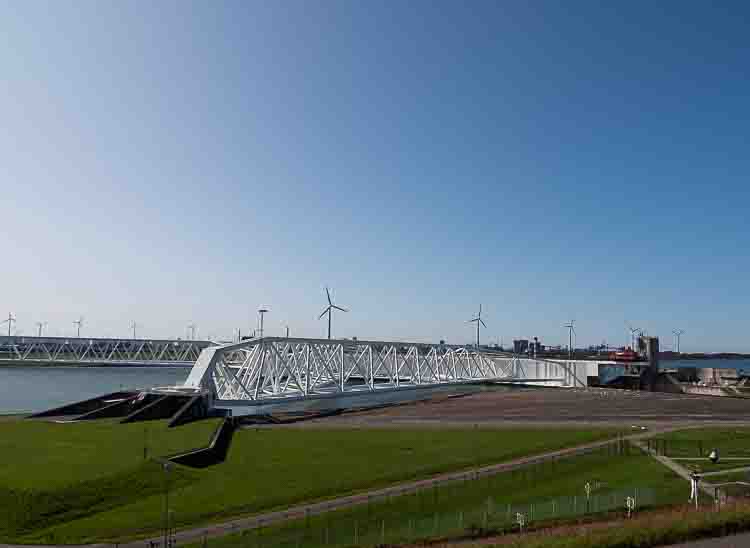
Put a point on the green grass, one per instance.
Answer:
(40, 455)
(650, 531)
(730, 442)
(266, 468)
(487, 503)
(732, 476)
(57, 472)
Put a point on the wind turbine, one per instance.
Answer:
(329, 310)
(571, 331)
(678, 333)
(478, 320)
(633, 331)
(79, 323)
(133, 325)
(10, 320)
(191, 327)
(40, 326)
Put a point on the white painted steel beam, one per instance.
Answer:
(276, 369)
(98, 351)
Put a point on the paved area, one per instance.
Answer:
(545, 406)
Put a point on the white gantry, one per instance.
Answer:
(260, 371)
(98, 351)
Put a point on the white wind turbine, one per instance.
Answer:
(479, 321)
(329, 310)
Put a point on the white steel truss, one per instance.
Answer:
(273, 369)
(95, 351)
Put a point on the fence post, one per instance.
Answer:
(356, 533)
(382, 532)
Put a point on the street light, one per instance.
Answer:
(166, 466)
(261, 311)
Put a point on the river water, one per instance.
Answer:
(31, 389)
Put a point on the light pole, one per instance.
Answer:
(261, 311)
(167, 466)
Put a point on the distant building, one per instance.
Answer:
(520, 346)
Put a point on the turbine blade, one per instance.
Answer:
(328, 294)
(484, 324)
(324, 312)
(339, 308)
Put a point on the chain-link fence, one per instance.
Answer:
(339, 530)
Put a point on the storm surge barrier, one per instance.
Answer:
(277, 370)
(17, 350)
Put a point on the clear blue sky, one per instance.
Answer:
(186, 162)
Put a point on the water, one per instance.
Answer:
(32, 389)
(742, 365)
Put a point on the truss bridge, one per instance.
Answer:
(265, 373)
(98, 351)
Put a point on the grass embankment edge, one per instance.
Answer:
(657, 528)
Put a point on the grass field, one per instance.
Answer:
(42, 455)
(693, 443)
(487, 503)
(729, 441)
(104, 497)
(648, 531)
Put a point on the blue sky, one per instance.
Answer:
(187, 162)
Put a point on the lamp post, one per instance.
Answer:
(166, 466)
(261, 311)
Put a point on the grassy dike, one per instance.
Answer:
(85, 483)
(485, 504)
(648, 531)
